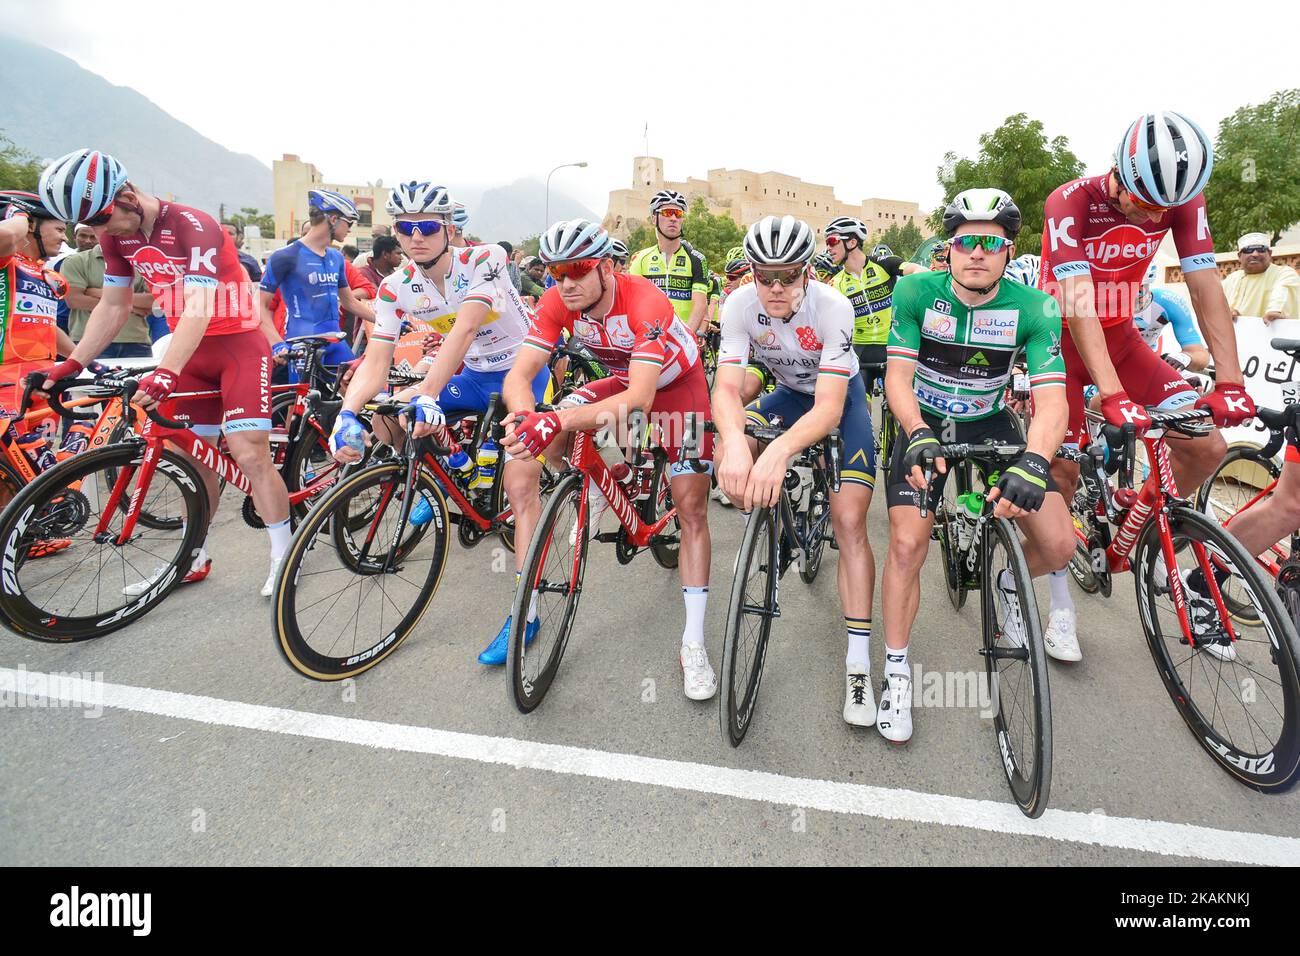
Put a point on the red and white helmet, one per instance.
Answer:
(1164, 159)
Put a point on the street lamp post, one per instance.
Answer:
(547, 224)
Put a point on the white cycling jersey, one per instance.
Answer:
(478, 274)
(816, 340)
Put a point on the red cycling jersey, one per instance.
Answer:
(186, 249)
(1085, 235)
(641, 327)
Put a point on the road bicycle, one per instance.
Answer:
(556, 559)
(364, 565)
(1233, 680)
(795, 529)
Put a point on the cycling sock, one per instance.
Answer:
(896, 661)
(696, 599)
(858, 658)
(1060, 584)
(532, 600)
(280, 534)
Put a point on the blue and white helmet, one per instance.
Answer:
(327, 201)
(460, 216)
(81, 184)
(1164, 159)
(1025, 269)
(574, 239)
(413, 197)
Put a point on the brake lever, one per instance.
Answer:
(924, 501)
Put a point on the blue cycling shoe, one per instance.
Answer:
(495, 653)
(421, 512)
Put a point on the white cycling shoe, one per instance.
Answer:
(1061, 638)
(596, 508)
(197, 573)
(1013, 624)
(720, 496)
(894, 716)
(269, 587)
(698, 680)
(859, 702)
(1209, 632)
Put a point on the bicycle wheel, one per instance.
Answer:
(666, 546)
(749, 624)
(1015, 662)
(1081, 564)
(815, 528)
(500, 501)
(1242, 475)
(552, 577)
(76, 593)
(346, 598)
(309, 463)
(1239, 698)
(946, 518)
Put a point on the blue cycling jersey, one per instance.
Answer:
(1166, 308)
(309, 285)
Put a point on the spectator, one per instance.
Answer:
(530, 280)
(360, 260)
(512, 270)
(1261, 286)
(350, 252)
(385, 256)
(236, 232)
(84, 272)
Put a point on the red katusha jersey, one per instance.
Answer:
(186, 249)
(1084, 235)
(641, 327)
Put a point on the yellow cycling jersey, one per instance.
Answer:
(872, 295)
(685, 275)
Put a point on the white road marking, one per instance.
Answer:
(1097, 829)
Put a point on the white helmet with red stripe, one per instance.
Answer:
(1164, 159)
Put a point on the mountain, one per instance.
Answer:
(518, 210)
(75, 108)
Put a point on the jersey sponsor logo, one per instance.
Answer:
(978, 359)
(764, 319)
(943, 305)
(1059, 234)
(619, 331)
(1203, 260)
(586, 331)
(936, 325)
(1202, 225)
(322, 278)
(28, 285)
(808, 339)
(962, 406)
(158, 269)
(1123, 245)
(460, 282)
(994, 326)
(192, 219)
(1068, 270)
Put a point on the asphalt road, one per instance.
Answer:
(210, 750)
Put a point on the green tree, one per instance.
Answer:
(531, 245)
(1255, 186)
(904, 239)
(249, 216)
(709, 234)
(1016, 157)
(19, 169)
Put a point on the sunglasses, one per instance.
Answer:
(990, 244)
(102, 217)
(1143, 204)
(577, 269)
(671, 212)
(1250, 249)
(833, 241)
(425, 227)
(787, 277)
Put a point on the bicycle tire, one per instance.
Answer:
(816, 520)
(1273, 770)
(945, 526)
(322, 523)
(738, 691)
(665, 547)
(1030, 780)
(47, 509)
(307, 462)
(527, 691)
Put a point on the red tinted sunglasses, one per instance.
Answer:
(102, 217)
(832, 241)
(672, 212)
(577, 269)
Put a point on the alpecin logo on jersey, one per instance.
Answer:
(943, 305)
(1120, 247)
(158, 269)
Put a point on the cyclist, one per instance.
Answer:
(867, 281)
(824, 267)
(464, 294)
(803, 331)
(1099, 235)
(953, 344)
(1157, 308)
(673, 264)
(310, 275)
(193, 270)
(1026, 269)
(631, 328)
(619, 254)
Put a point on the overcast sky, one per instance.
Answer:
(866, 98)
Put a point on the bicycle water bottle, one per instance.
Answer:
(485, 473)
(75, 441)
(460, 464)
(37, 450)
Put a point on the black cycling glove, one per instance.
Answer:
(922, 449)
(1024, 484)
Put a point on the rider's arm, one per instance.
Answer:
(469, 319)
(1184, 326)
(1211, 307)
(348, 299)
(12, 232)
(910, 268)
(372, 376)
(517, 389)
(1046, 370)
(268, 317)
(1079, 310)
(903, 347)
(733, 357)
(1047, 427)
(63, 343)
(699, 311)
(642, 383)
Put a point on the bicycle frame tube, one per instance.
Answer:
(467, 510)
(587, 460)
(1271, 560)
(1158, 486)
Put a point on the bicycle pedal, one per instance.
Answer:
(835, 545)
(607, 537)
